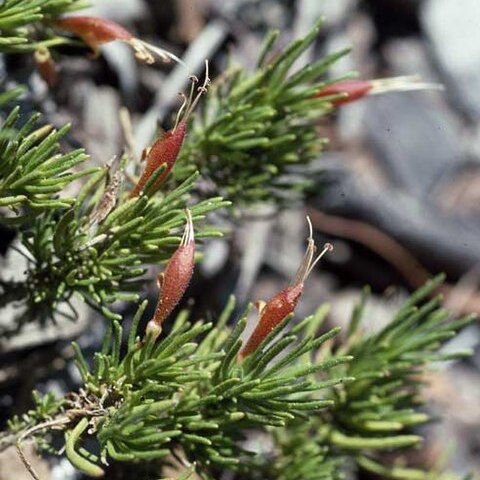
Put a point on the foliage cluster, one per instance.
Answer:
(326, 404)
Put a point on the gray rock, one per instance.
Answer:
(101, 106)
(416, 142)
(118, 10)
(335, 12)
(452, 28)
(443, 242)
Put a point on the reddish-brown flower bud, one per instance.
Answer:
(166, 149)
(175, 279)
(354, 89)
(357, 89)
(284, 302)
(96, 31)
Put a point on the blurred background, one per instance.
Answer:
(399, 197)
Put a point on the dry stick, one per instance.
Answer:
(25, 461)
(41, 426)
(115, 180)
(126, 126)
(393, 252)
(183, 461)
(110, 194)
(374, 239)
(127, 131)
(464, 300)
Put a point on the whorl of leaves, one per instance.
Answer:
(301, 454)
(102, 262)
(323, 413)
(189, 393)
(33, 171)
(96, 245)
(256, 129)
(378, 411)
(21, 28)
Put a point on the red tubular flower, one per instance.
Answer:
(96, 31)
(357, 89)
(284, 302)
(354, 89)
(174, 281)
(165, 150)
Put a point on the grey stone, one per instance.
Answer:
(453, 29)
(416, 142)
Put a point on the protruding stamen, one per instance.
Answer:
(406, 83)
(181, 109)
(193, 82)
(201, 90)
(308, 262)
(146, 52)
(188, 234)
(186, 103)
(327, 247)
(187, 107)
